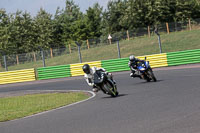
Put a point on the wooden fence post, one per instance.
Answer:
(190, 25)
(128, 35)
(149, 31)
(17, 57)
(167, 25)
(88, 44)
(51, 52)
(34, 56)
(110, 41)
(70, 51)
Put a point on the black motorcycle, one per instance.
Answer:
(102, 81)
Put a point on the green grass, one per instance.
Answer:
(176, 41)
(21, 106)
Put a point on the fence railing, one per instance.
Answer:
(34, 59)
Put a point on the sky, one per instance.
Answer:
(33, 6)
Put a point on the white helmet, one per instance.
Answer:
(132, 58)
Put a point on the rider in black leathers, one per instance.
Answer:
(133, 63)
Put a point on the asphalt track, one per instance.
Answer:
(171, 105)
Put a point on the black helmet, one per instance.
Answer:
(86, 68)
(132, 58)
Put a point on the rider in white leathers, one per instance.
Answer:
(89, 76)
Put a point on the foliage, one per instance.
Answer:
(175, 41)
(20, 32)
(43, 29)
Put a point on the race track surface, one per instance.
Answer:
(171, 105)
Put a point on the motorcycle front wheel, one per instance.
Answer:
(146, 77)
(152, 75)
(111, 90)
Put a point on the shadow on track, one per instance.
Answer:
(120, 95)
(145, 82)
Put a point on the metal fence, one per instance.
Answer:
(42, 58)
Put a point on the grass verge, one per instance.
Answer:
(175, 41)
(21, 106)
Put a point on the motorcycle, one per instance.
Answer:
(146, 71)
(105, 84)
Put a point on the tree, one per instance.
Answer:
(94, 21)
(69, 17)
(80, 30)
(5, 32)
(111, 17)
(58, 29)
(43, 28)
(22, 32)
(196, 9)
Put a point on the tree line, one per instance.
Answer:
(20, 32)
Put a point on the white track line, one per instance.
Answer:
(93, 95)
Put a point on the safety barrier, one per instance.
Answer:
(76, 69)
(17, 76)
(183, 57)
(54, 72)
(157, 60)
(113, 65)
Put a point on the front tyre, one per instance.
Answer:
(117, 93)
(152, 75)
(146, 77)
(111, 90)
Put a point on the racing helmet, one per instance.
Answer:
(132, 58)
(86, 68)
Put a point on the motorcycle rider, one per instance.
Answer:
(133, 63)
(89, 76)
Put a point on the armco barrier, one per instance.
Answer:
(183, 57)
(17, 76)
(54, 72)
(76, 69)
(157, 60)
(115, 65)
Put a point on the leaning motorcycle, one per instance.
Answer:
(146, 71)
(102, 81)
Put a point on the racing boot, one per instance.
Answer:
(132, 75)
(95, 90)
(135, 75)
